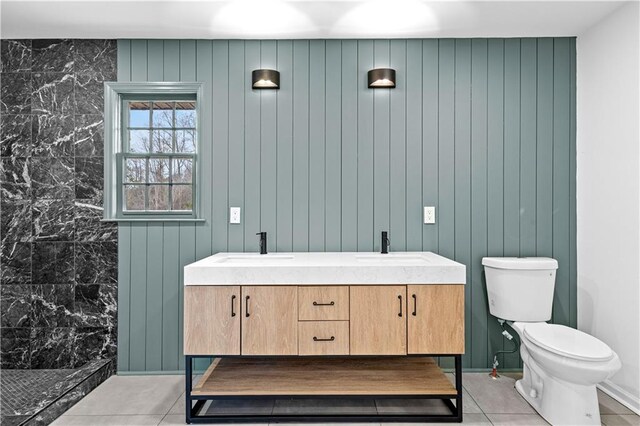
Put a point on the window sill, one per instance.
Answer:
(154, 219)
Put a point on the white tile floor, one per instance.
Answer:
(159, 400)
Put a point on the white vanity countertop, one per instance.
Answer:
(324, 268)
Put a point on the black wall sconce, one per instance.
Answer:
(265, 79)
(380, 78)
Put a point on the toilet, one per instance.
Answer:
(562, 365)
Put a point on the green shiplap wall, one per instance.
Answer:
(483, 129)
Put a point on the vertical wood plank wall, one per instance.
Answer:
(483, 129)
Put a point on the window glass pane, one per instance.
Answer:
(139, 141)
(185, 141)
(159, 170)
(139, 114)
(162, 141)
(182, 198)
(186, 114)
(182, 170)
(158, 197)
(134, 197)
(163, 114)
(135, 170)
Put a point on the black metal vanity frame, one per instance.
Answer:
(192, 409)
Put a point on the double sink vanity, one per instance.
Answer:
(313, 325)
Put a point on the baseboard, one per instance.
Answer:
(157, 373)
(622, 396)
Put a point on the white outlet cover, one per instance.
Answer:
(429, 215)
(234, 215)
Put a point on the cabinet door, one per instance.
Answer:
(269, 320)
(378, 324)
(212, 320)
(436, 319)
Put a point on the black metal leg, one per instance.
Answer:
(188, 386)
(458, 361)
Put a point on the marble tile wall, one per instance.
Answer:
(58, 262)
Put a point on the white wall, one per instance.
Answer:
(608, 192)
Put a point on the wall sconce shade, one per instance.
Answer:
(382, 78)
(265, 79)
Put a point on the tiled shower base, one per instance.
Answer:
(37, 397)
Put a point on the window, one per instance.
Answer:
(151, 145)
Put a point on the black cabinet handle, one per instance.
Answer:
(331, 339)
(400, 300)
(415, 305)
(324, 304)
(246, 307)
(233, 299)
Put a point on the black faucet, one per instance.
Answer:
(263, 242)
(384, 243)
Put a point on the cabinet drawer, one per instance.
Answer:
(325, 303)
(323, 337)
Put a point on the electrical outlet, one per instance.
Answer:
(429, 215)
(234, 215)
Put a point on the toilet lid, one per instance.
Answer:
(568, 342)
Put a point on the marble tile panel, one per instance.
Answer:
(15, 222)
(52, 305)
(89, 94)
(14, 348)
(96, 305)
(52, 348)
(16, 179)
(15, 135)
(53, 263)
(96, 58)
(13, 420)
(88, 223)
(89, 135)
(89, 177)
(15, 301)
(15, 55)
(53, 135)
(15, 93)
(15, 263)
(52, 93)
(92, 343)
(96, 263)
(52, 177)
(53, 220)
(52, 55)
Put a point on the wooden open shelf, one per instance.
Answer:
(324, 376)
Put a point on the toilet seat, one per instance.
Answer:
(568, 342)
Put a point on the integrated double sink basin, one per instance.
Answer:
(283, 259)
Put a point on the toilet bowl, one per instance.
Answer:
(561, 365)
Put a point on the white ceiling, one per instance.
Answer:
(268, 19)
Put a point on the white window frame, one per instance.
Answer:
(114, 146)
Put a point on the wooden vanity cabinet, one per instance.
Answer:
(212, 320)
(269, 320)
(378, 320)
(435, 321)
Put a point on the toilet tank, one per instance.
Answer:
(520, 288)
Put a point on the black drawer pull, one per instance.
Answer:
(331, 339)
(400, 300)
(324, 304)
(415, 305)
(233, 299)
(246, 306)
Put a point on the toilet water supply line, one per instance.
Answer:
(505, 333)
